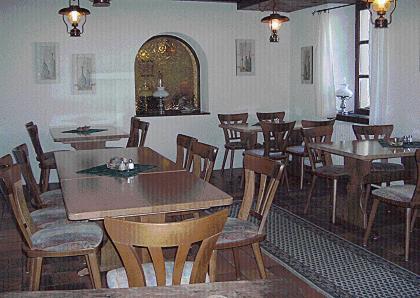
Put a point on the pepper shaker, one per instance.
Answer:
(130, 164)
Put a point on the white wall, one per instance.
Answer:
(114, 35)
(404, 58)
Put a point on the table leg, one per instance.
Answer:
(352, 209)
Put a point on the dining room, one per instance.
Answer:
(157, 114)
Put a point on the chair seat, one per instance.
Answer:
(117, 278)
(238, 232)
(235, 145)
(272, 155)
(69, 237)
(49, 216)
(384, 166)
(297, 150)
(52, 198)
(333, 171)
(398, 194)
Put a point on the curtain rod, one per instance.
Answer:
(328, 9)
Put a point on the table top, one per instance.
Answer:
(245, 288)
(162, 192)
(111, 133)
(69, 162)
(364, 150)
(250, 128)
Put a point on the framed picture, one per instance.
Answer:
(307, 65)
(245, 57)
(83, 73)
(46, 62)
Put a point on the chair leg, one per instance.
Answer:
(213, 266)
(258, 257)
(232, 158)
(44, 179)
(308, 201)
(93, 266)
(35, 279)
(237, 265)
(334, 199)
(371, 220)
(413, 220)
(364, 197)
(224, 160)
(302, 171)
(286, 179)
(407, 233)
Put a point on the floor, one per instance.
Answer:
(58, 274)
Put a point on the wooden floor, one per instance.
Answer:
(62, 273)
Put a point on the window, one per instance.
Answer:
(361, 94)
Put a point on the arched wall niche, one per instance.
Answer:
(171, 61)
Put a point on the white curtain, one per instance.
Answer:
(378, 93)
(325, 101)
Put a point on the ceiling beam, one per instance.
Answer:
(243, 4)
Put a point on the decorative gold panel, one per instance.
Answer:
(172, 60)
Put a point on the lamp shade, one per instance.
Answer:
(343, 91)
(101, 3)
(160, 92)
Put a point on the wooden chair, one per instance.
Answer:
(276, 117)
(128, 235)
(240, 231)
(233, 139)
(46, 159)
(183, 150)
(136, 139)
(41, 217)
(78, 239)
(299, 150)
(276, 137)
(405, 196)
(381, 171)
(39, 200)
(321, 162)
(203, 157)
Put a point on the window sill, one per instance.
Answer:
(171, 113)
(354, 118)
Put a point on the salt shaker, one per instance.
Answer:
(130, 164)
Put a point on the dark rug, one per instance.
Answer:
(336, 266)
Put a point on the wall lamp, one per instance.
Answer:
(384, 9)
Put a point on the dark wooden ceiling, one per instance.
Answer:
(281, 5)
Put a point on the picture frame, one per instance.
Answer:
(46, 62)
(83, 74)
(245, 57)
(307, 65)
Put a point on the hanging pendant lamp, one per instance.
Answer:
(73, 16)
(274, 21)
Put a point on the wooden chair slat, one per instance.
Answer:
(137, 139)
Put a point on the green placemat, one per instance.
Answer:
(405, 145)
(85, 132)
(103, 170)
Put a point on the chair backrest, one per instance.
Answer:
(203, 158)
(183, 150)
(5, 162)
(276, 136)
(315, 123)
(416, 197)
(136, 139)
(276, 117)
(127, 235)
(34, 135)
(373, 132)
(22, 158)
(10, 179)
(319, 134)
(271, 173)
(231, 135)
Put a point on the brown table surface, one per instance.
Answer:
(255, 289)
(358, 156)
(69, 162)
(87, 141)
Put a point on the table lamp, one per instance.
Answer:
(343, 93)
(160, 94)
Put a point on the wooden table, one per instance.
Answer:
(358, 156)
(243, 289)
(94, 140)
(149, 195)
